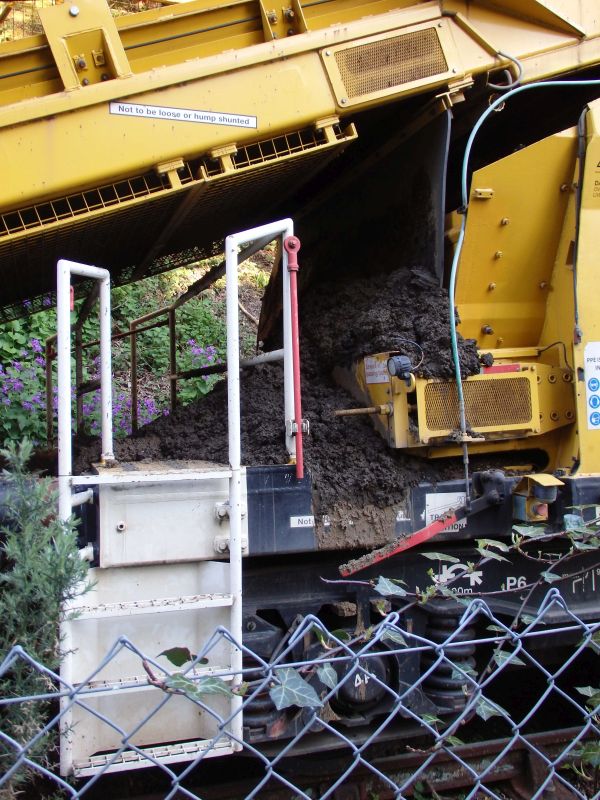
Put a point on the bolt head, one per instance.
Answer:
(343, 101)
(74, 11)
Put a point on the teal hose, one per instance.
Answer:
(459, 244)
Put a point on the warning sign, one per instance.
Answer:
(592, 384)
(183, 115)
(376, 371)
(438, 503)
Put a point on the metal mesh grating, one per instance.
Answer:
(271, 149)
(378, 66)
(112, 226)
(488, 404)
(75, 205)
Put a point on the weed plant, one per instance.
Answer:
(40, 570)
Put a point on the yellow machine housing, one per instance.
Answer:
(505, 402)
(526, 290)
(138, 142)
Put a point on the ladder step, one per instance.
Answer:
(161, 605)
(164, 754)
(139, 683)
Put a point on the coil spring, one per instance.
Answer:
(446, 684)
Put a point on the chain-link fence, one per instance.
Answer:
(384, 713)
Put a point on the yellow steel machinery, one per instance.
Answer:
(197, 119)
(524, 293)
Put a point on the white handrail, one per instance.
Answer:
(63, 311)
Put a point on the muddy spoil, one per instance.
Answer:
(358, 481)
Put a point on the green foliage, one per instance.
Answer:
(178, 655)
(196, 689)
(293, 690)
(40, 569)
(389, 588)
(328, 675)
(200, 341)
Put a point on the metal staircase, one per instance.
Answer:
(166, 570)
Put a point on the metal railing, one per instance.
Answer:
(503, 727)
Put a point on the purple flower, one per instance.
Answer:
(6, 401)
(17, 366)
(27, 405)
(36, 346)
(41, 361)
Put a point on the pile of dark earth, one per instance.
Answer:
(358, 481)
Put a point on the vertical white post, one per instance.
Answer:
(106, 369)
(235, 481)
(232, 243)
(63, 356)
(65, 463)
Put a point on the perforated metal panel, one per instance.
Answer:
(377, 66)
(493, 403)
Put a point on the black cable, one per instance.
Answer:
(564, 347)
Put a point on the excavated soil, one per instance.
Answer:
(358, 481)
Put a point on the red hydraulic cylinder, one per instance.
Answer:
(292, 246)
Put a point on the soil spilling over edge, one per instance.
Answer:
(357, 480)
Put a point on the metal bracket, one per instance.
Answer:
(221, 544)
(291, 427)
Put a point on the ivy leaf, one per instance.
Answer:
(293, 690)
(321, 637)
(382, 607)
(389, 588)
(584, 545)
(484, 709)
(591, 692)
(589, 754)
(485, 543)
(529, 531)
(430, 719)
(550, 577)
(341, 635)
(459, 674)
(453, 740)
(197, 689)
(495, 629)
(594, 642)
(328, 675)
(441, 557)
(501, 657)
(527, 619)
(241, 690)
(490, 554)
(392, 635)
(178, 656)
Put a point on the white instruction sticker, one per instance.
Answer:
(437, 503)
(182, 115)
(376, 371)
(307, 521)
(592, 385)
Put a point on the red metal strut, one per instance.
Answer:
(292, 246)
